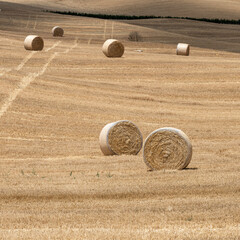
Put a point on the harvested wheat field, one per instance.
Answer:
(55, 182)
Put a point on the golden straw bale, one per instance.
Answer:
(113, 48)
(57, 31)
(34, 43)
(167, 148)
(183, 49)
(121, 137)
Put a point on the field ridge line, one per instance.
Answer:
(54, 45)
(35, 24)
(72, 47)
(20, 66)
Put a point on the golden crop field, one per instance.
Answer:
(55, 183)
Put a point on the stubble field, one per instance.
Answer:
(54, 181)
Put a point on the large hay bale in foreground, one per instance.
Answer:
(34, 43)
(167, 148)
(113, 48)
(57, 31)
(183, 49)
(121, 137)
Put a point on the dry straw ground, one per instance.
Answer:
(54, 181)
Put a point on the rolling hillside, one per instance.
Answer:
(228, 9)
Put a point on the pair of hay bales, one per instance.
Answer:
(165, 148)
(114, 48)
(36, 43)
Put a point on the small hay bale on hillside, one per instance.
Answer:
(57, 31)
(113, 48)
(121, 137)
(33, 43)
(183, 49)
(167, 148)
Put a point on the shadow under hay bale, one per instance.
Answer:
(167, 148)
(113, 48)
(183, 49)
(57, 31)
(33, 43)
(121, 137)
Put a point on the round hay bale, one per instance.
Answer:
(121, 137)
(183, 49)
(113, 48)
(57, 31)
(34, 43)
(167, 148)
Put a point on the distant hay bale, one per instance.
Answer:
(121, 137)
(183, 49)
(167, 148)
(34, 43)
(113, 48)
(57, 31)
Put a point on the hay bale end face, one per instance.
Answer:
(121, 137)
(183, 49)
(167, 148)
(33, 43)
(113, 48)
(57, 31)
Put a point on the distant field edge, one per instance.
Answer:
(133, 17)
